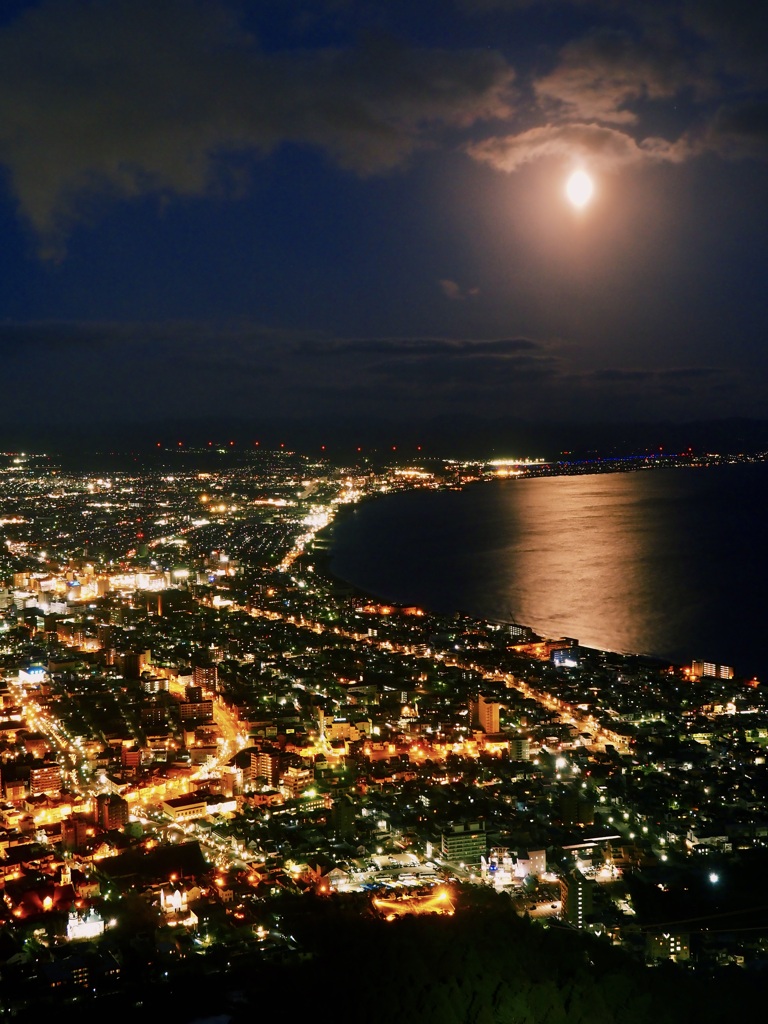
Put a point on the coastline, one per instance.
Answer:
(322, 556)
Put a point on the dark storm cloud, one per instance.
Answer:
(131, 97)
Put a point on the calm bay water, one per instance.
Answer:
(671, 562)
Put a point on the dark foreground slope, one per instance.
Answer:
(482, 966)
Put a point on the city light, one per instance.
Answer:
(219, 691)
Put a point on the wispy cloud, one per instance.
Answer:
(604, 148)
(454, 291)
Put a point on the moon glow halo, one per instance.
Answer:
(579, 189)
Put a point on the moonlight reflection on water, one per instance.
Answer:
(668, 562)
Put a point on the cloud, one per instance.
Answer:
(600, 74)
(676, 374)
(730, 35)
(494, 375)
(211, 352)
(416, 348)
(453, 290)
(655, 388)
(246, 342)
(737, 31)
(739, 130)
(16, 339)
(133, 97)
(604, 148)
(246, 369)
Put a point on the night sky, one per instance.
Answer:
(357, 209)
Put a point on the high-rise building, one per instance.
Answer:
(710, 670)
(576, 808)
(576, 894)
(45, 777)
(266, 764)
(293, 781)
(153, 718)
(668, 946)
(74, 832)
(130, 758)
(205, 675)
(111, 811)
(201, 711)
(520, 748)
(131, 663)
(343, 812)
(485, 714)
(465, 842)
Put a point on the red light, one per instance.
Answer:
(180, 444)
(359, 449)
(322, 447)
(210, 443)
(158, 444)
(231, 442)
(256, 443)
(394, 447)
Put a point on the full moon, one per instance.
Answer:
(579, 188)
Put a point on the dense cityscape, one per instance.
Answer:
(319, 699)
(208, 739)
